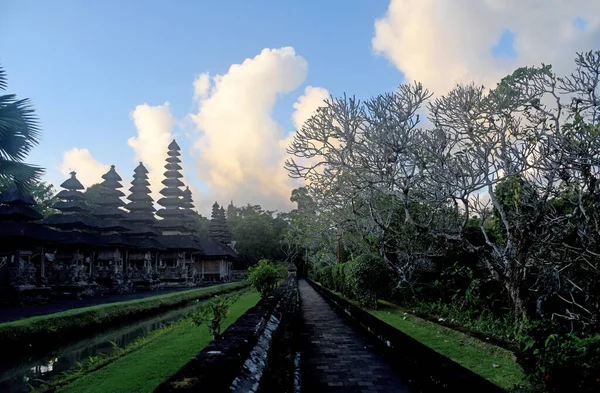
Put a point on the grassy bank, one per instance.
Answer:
(496, 364)
(145, 368)
(53, 330)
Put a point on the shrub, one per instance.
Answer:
(212, 313)
(338, 274)
(368, 278)
(562, 362)
(326, 277)
(264, 277)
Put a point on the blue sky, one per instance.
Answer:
(86, 65)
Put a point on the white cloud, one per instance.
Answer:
(154, 133)
(201, 86)
(239, 153)
(89, 170)
(308, 103)
(441, 43)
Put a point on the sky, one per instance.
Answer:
(113, 82)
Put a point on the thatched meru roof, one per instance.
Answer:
(172, 203)
(26, 233)
(72, 183)
(12, 196)
(181, 242)
(213, 249)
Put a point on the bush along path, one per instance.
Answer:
(46, 332)
(143, 365)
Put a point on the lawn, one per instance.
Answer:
(55, 329)
(496, 364)
(145, 369)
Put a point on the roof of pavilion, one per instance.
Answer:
(214, 249)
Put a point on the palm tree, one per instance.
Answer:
(19, 132)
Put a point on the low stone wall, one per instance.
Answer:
(429, 370)
(238, 360)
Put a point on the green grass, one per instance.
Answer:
(47, 331)
(474, 354)
(144, 369)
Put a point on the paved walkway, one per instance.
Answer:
(336, 357)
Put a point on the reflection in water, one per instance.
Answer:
(16, 375)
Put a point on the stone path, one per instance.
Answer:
(336, 358)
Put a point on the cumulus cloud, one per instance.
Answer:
(441, 43)
(307, 104)
(89, 170)
(239, 152)
(154, 133)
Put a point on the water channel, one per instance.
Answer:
(17, 374)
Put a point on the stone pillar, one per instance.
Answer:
(42, 265)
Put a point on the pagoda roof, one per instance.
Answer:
(108, 211)
(170, 213)
(146, 243)
(71, 221)
(112, 224)
(109, 200)
(166, 202)
(71, 206)
(140, 197)
(173, 145)
(214, 249)
(173, 166)
(173, 160)
(110, 188)
(180, 242)
(140, 169)
(141, 205)
(15, 233)
(171, 192)
(81, 239)
(12, 196)
(139, 182)
(72, 183)
(70, 195)
(141, 217)
(112, 175)
(172, 174)
(172, 182)
(18, 213)
(137, 229)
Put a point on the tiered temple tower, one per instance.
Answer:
(77, 254)
(110, 217)
(218, 225)
(172, 201)
(142, 261)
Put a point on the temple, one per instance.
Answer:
(110, 246)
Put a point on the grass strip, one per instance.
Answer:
(144, 369)
(494, 363)
(53, 330)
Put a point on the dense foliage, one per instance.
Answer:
(265, 276)
(19, 133)
(212, 313)
(485, 217)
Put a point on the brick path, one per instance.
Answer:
(336, 358)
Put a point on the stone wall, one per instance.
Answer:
(237, 362)
(431, 371)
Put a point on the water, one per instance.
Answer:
(16, 376)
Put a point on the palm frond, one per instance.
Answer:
(18, 117)
(2, 79)
(24, 175)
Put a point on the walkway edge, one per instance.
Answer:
(424, 364)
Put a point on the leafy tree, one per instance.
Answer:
(212, 313)
(265, 276)
(92, 194)
(43, 193)
(19, 133)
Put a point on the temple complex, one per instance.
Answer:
(111, 246)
